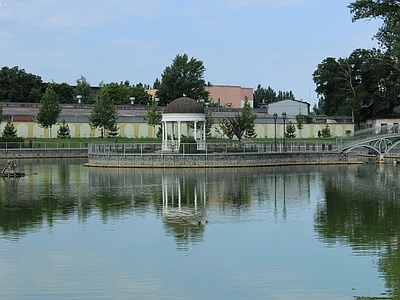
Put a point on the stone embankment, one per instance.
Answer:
(43, 153)
(218, 160)
(175, 160)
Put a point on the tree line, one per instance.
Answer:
(366, 84)
(185, 77)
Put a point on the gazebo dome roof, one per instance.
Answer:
(184, 105)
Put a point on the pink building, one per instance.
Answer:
(230, 96)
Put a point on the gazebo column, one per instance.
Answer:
(179, 133)
(195, 130)
(204, 131)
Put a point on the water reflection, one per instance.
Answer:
(352, 206)
(361, 209)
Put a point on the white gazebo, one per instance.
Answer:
(180, 112)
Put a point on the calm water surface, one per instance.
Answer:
(71, 232)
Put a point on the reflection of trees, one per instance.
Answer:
(365, 214)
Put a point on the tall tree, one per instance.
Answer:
(154, 117)
(365, 83)
(248, 118)
(104, 114)
(16, 85)
(388, 34)
(83, 89)
(264, 95)
(184, 77)
(240, 125)
(49, 109)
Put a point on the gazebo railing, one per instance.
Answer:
(170, 145)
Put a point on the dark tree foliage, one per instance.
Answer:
(65, 92)
(237, 126)
(184, 77)
(1, 112)
(268, 95)
(156, 84)
(83, 89)
(365, 83)
(122, 93)
(388, 11)
(113, 131)
(18, 86)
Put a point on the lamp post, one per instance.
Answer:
(132, 100)
(284, 115)
(275, 117)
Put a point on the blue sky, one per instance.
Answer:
(276, 43)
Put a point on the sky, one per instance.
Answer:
(276, 43)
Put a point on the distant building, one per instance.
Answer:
(291, 107)
(226, 95)
(230, 96)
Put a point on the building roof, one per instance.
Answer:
(184, 105)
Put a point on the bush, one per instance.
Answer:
(188, 145)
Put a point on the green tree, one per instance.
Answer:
(290, 130)
(248, 118)
(16, 85)
(104, 114)
(49, 109)
(9, 130)
(184, 77)
(388, 34)
(63, 130)
(226, 128)
(64, 91)
(326, 132)
(240, 125)
(113, 131)
(237, 126)
(1, 112)
(365, 82)
(83, 89)
(154, 117)
(121, 93)
(156, 84)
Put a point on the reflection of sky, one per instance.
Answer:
(260, 253)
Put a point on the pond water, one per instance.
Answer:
(306, 232)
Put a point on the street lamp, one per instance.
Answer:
(132, 100)
(284, 115)
(275, 117)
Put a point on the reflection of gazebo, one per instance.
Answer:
(183, 110)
